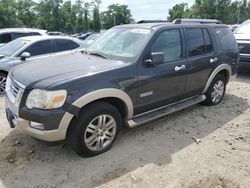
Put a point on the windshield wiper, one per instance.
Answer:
(99, 54)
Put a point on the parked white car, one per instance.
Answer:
(9, 34)
(27, 49)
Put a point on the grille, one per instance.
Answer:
(13, 88)
(244, 48)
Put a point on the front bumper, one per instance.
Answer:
(24, 126)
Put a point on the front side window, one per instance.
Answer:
(64, 45)
(40, 48)
(121, 43)
(13, 46)
(169, 43)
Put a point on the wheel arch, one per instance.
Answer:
(223, 69)
(116, 97)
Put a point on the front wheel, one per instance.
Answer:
(216, 91)
(3, 79)
(95, 130)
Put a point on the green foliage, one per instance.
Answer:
(116, 15)
(228, 11)
(67, 16)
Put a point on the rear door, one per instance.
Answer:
(164, 83)
(201, 58)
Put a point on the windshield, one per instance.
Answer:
(10, 48)
(244, 28)
(121, 43)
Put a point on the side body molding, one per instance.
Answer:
(95, 95)
(215, 72)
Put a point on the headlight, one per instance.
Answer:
(43, 99)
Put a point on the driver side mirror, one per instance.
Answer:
(25, 55)
(157, 58)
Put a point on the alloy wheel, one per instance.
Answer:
(3, 80)
(100, 132)
(218, 91)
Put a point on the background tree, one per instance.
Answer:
(179, 11)
(8, 14)
(116, 15)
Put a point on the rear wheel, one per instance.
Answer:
(3, 79)
(216, 91)
(95, 130)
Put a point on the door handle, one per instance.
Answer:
(178, 68)
(214, 60)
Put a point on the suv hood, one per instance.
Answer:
(62, 67)
(239, 37)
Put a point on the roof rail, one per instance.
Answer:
(151, 21)
(201, 21)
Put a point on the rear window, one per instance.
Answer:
(5, 38)
(226, 38)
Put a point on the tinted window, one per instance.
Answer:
(64, 45)
(226, 38)
(208, 41)
(5, 38)
(168, 42)
(18, 35)
(195, 41)
(40, 48)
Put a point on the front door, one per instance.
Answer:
(165, 83)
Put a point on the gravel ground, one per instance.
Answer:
(162, 153)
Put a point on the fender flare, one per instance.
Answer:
(215, 72)
(93, 96)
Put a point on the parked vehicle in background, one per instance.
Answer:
(27, 49)
(9, 34)
(90, 39)
(233, 27)
(242, 35)
(84, 36)
(130, 75)
(55, 33)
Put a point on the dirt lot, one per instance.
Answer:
(159, 154)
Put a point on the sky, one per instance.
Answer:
(146, 9)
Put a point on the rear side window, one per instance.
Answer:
(40, 48)
(226, 38)
(208, 41)
(64, 45)
(5, 38)
(198, 41)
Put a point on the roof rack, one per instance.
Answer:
(201, 21)
(151, 21)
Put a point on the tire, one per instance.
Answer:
(3, 79)
(94, 128)
(216, 91)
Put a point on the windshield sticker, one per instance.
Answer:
(141, 31)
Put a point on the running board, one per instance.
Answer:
(163, 111)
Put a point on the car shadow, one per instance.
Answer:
(25, 162)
